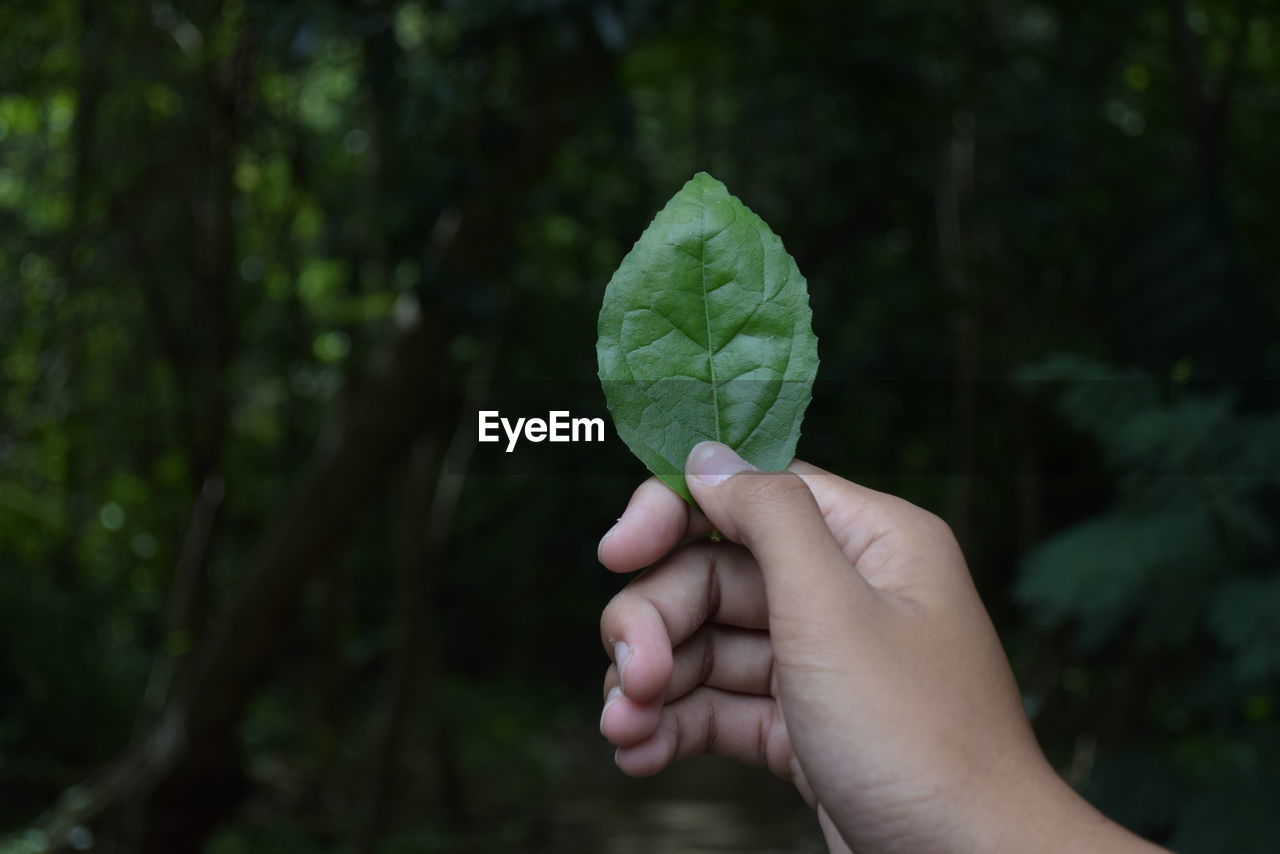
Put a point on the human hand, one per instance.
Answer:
(838, 640)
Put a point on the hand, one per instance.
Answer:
(838, 640)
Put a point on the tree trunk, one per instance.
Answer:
(172, 788)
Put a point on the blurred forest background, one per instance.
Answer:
(260, 262)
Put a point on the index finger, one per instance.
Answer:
(655, 521)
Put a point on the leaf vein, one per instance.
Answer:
(706, 311)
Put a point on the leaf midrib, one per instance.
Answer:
(706, 311)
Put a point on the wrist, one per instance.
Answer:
(1040, 812)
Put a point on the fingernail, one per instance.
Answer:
(621, 655)
(711, 463)
(614, 693)
(607, 534)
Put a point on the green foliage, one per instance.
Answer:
(1244, 616)
(1182, 571)
(705, 335)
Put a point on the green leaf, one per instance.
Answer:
(705, 334)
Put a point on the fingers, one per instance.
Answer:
(717, 656)
(656, 519)
(724, 657)
(709, 720)
(810, 581)
(703, 582)
(624, 721)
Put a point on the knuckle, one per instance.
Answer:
(920, 523)
(707, 638)
(612, 615)
(933, 526)
(695, 558)
(711, 735)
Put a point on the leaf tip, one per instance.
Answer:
(705, 178)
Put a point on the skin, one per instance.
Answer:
(835, 638)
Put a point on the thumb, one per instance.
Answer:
(808, 579)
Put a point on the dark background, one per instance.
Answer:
(261, 262)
